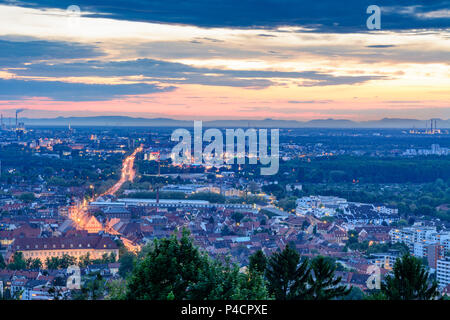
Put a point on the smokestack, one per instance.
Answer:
(17, 112)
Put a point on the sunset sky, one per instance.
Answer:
(226, 59)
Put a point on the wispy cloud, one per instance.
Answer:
(177, 73)
(12, 89)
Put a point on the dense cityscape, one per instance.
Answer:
(98, 198)
(223, 159)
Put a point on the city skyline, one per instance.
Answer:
(224, 156)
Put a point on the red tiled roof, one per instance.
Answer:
(86, 242)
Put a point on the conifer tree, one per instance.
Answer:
(287, 278)
(2, 262)
(322, 283)
(257, 262)
(410, 281)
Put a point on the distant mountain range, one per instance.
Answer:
(266, 123)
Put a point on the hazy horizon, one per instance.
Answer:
(46, 114)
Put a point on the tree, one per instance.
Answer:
(223, 281)
(108, 258)
(84, 261)
(144, 252)
(34, 263)
(93, 288)
(52, 263)
(425, 210)
(208, 196)
(18, 262)
(66, 261)
(60, 263)
(57, 293)
(305, 225)
(288, 204)
(170, 296)
(253, 187)
(216, 281)
(2, 263)
(257, 262)
(323, 285)
(126, 264)
(252, 286)
(6, 295)
(175, 269)
(410, 281)
(354, 294)
(27, 197)
(287, 279)
(116, 289)
(172, 265)
(237, 216)
(352, 237)
(274, 189)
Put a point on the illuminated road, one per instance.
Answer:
(128, 173)
(79, 213)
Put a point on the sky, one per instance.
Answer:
(228, 59)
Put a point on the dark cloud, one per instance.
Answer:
(381, 46)
(324, 15)
(13, 53)
(178, 73)
(210, 39)
(14, 89)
